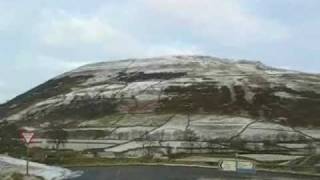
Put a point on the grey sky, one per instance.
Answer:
(40, 39)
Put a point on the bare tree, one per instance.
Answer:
(282, 136)
(178, 135)
(211, 144)
(58, 135)
(159, 136)
(133, 97)
(191, 137)
(238, 143)
(311, 148)
(162, 136)
(147, 145)
(168, 150)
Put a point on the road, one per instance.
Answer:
(175, 173)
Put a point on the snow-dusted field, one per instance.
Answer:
(143, 120)
(270, 157)
(311, 132)
(178, 122)
(293, 146)
(9, 164)
(130, 132)
(203, 159)
(125, 147)
(269, 131)
(77, 144)
(212, 126)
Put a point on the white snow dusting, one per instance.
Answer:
(9, 164)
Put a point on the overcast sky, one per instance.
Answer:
(40, 39)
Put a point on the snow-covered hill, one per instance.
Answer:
(213, 97)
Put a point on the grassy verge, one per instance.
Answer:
(95, 162)
(78, 159)
(18, 176)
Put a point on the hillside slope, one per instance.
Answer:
(215, 98)
(172, 85)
